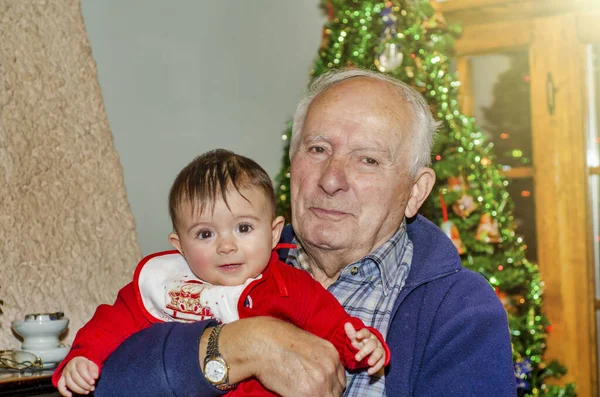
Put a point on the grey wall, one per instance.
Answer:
(182, 77)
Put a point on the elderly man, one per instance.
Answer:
(360, 149)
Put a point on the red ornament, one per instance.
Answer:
(329, 10)
(455, 184)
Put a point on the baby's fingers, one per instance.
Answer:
(87, 370)
(377, 367)
(350, 331)
(76, 383)
(62, 387)
(364, 334)
(376, 364)
(377, 355)
(368, 347)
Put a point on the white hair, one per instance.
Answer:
(425, 128)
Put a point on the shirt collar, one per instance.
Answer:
(386, 257)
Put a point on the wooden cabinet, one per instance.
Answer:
(561, 40)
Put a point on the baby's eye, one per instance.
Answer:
(244, 228)
(204, 234)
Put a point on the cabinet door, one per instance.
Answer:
(496, 91)
(545, 163)
(588, 34)
(558, 62)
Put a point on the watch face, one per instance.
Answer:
(215, 371)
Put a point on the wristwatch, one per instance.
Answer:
(216, 369)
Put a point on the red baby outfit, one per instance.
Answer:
(282, 291)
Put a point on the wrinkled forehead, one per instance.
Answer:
(379, 119)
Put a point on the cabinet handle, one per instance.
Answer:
(550, 91)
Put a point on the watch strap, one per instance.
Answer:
(212, 351)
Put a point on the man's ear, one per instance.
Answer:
(175, 242)
(277, 228)
(422, 184)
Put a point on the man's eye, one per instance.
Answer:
(244, 228)
(316, 149)
(370, 161)
(204, 234)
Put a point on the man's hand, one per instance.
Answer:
(284, 358)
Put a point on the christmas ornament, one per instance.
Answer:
(503, 296)
(389, 54)
(464, 206)
(325, 38)
(522, 370)
(329, 10)
(389, 58)
(437, 20)
(450, 228)
(451, 231)
(487, 231)
(512, 302)
(455, 184)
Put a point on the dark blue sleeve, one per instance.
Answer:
(468, 350)
(159, 361)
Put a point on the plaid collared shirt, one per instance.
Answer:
(368, 289)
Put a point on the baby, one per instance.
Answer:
(222, 207)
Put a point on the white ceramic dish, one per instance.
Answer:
(50, 357)
(40, 334)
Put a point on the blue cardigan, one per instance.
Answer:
(448, 337)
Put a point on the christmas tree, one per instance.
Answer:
(410, 41)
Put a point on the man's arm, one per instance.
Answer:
(165, 360)
(468, 351)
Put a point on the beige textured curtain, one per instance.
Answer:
(67, 237)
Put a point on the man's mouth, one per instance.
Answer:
(327, 212)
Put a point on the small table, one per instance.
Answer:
(27, 383)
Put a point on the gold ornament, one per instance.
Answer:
(487, 231)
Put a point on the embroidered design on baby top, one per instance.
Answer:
(185, 302)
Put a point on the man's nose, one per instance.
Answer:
(334, 176)
(226, 245)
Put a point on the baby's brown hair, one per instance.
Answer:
(212, 173)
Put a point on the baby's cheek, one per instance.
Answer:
(200, 262)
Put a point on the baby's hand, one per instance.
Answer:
(367, 344)
(79, 375)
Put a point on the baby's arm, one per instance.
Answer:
(79, 376)
(316, 310)
(367, 344)
(108, 328)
